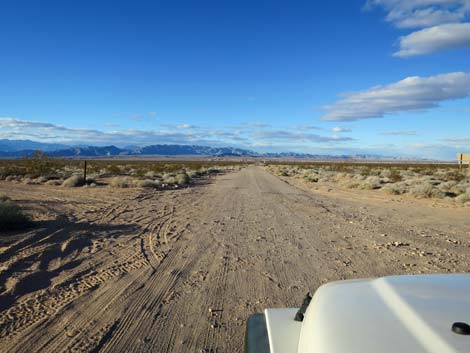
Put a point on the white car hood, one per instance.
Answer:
(406, 314)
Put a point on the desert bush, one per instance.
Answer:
(460, 188)
(28, 181)
(147, 183)
(121, 182)
(395, 189)
(447, 186)
(427, 190)
(151, 174)
(422, 190)
(73, 181)
(12, 218)
(41, 179)
(4, 198)
(463, 198)
(38, 164)
(311, 178)
(371, 183)
(182, 179)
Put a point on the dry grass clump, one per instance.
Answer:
(73, 181)
(12, 217)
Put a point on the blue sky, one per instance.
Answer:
(378, 76)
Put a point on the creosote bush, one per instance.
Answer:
(73, 181)
(12, 218)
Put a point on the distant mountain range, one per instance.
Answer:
(26, 148)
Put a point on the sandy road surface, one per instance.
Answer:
(137, 271)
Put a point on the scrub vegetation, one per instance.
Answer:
(40, 169)
(419, 180)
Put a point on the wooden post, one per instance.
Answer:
(84, 173)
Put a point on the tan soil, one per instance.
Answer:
(134, 270)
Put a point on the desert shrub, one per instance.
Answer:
(460, 188)
(38, 164)
(41, 179)
(312, 178)
(121, 182)
(213, 170)
(447, 186)
(426, 190)
(395, 189)
(395, 175)
(147, 183)
(73, 181)
(182, 179)
(169, 180)
(371, 183)
(4, 198)
(113, 169)
(463, 198)
(12, 218)
(28, 181)
(352, 185)
(386, 173)
(455, 175)
(151, 174)
(194, 174)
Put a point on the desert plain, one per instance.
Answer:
(139, 269)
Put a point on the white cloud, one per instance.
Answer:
(458, 141)
(284, 135)
(422, 13)
(341, 129)
(257, 124)
(186, 126)
(13, 128)
(411, 94)
(399, 133)
(430, 40)
(305, 127)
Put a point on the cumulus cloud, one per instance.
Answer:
(411, 94)
(341, 129)
(445, 24)
(422, 13)
(434, 39)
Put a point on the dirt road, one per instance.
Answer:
(180, 271)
